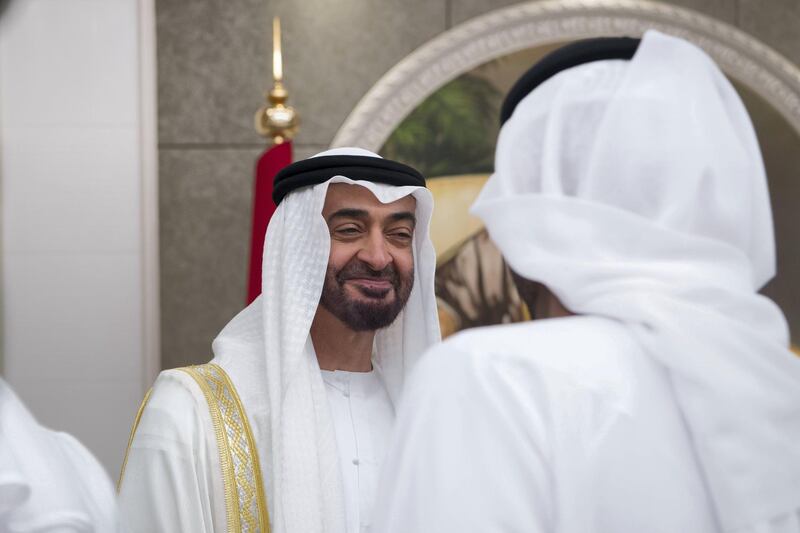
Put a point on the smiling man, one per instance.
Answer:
(287, 427)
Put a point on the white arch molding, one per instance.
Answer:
(533, 24)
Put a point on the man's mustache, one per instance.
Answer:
(360, 270)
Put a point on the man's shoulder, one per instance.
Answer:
(174, 386)
(593, 354)
(175, 403)
(556, 338)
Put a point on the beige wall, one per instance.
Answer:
(77, 143)
(212, 66)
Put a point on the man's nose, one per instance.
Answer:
(374, 252)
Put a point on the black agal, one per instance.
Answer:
(569, 56)
(356, 167)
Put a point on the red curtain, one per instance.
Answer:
(270, 162)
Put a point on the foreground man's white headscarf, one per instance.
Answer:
(636, 191)
(267, 351)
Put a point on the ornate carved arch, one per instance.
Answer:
(528, 25)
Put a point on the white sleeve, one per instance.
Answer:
(466, 454)
(170, 481)
(48, 480)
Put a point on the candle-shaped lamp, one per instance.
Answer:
(275, 119)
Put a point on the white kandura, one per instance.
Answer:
(636, 192)
(267, 352)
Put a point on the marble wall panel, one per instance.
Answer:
(462, 10)
(213, 61)
(304, 151)
(211, 69)
(776, 23)
(205, 210)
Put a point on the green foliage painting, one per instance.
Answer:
(452, 132)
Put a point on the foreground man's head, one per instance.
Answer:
(640, 162)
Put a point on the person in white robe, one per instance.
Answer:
(629, 198)
(49, 482)
(288, 426)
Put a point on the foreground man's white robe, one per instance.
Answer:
(48, 481)
(172, 481)
(635, 191)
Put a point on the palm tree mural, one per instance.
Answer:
(452, 132)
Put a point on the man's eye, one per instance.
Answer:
(404, 235)
(347, 231)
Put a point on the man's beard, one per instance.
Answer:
(370, 312)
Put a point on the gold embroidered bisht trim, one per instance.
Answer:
(245, 503)
(130, 439)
